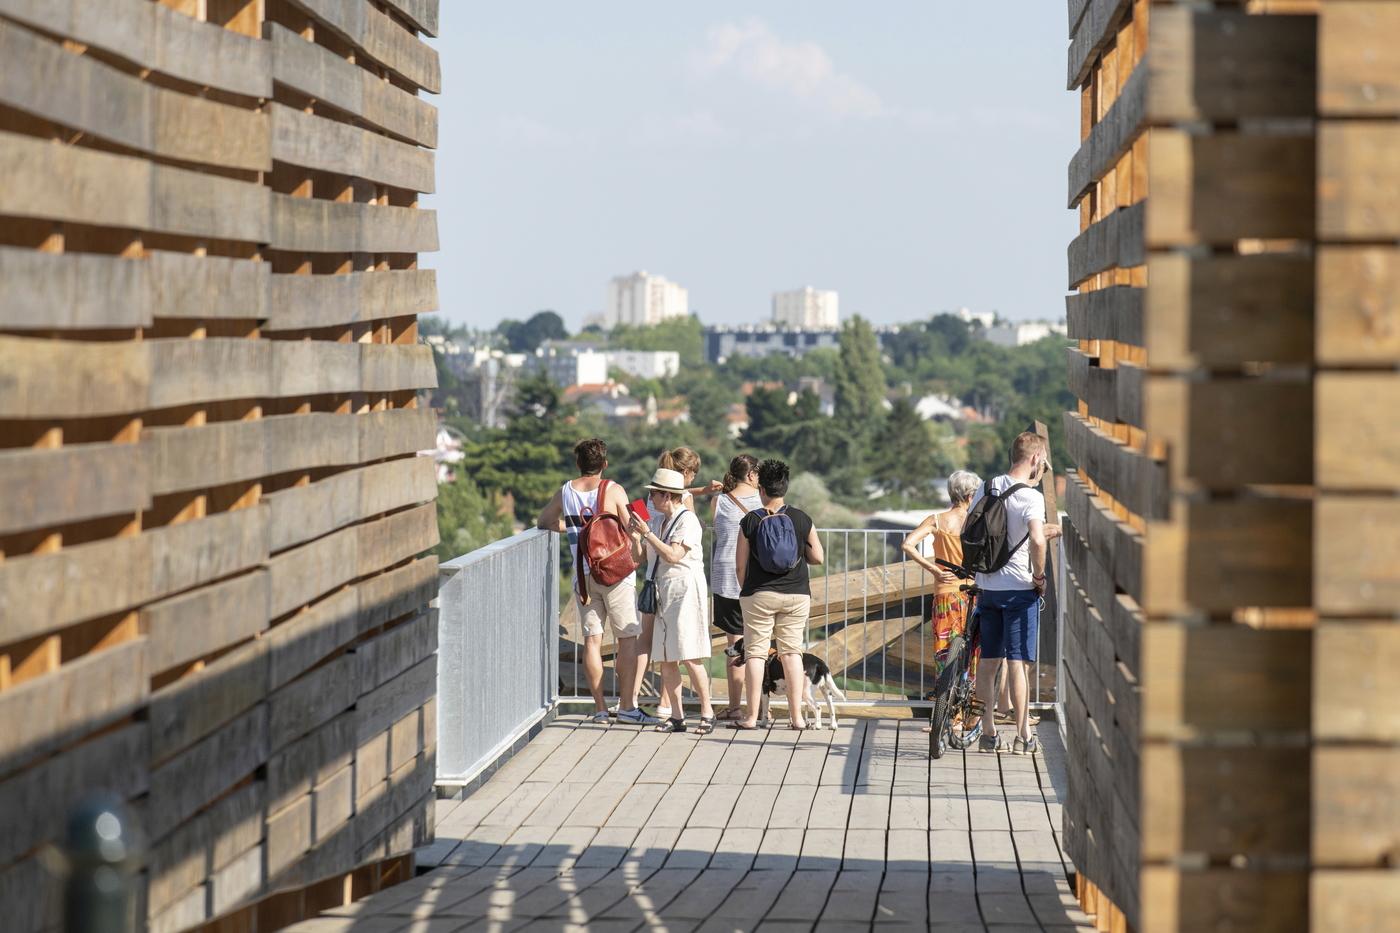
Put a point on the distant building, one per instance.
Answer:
(1020, 333)
(984, 318)
(940, 408)
(646, 364)
(722, 343)
(806, 308)
(570, 367)
(642, 299)
(611, 399)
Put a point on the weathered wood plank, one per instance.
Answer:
(157, 37)
(315, 142)
(388, 540)
(1097, 27)
(43, 291)
(1179, 899)
(386, 656)
(1220, 188)
(379, 709)
(304, 704)
(317, 226)
(300, 302)
(80, 92)
(396, 368)
(69, 484)
(1356, 696)
(1113, 313)
(215, 369)
(318, 72)
(1111, 137)
(1200, 680)
(294, 770)
(1357, 560)
(1228, 310)
(298, 443)
(305, 512)
(188, 627)
(1357, 198)
(189, 286)
(44, 378)
(1136, 480)
(203, 456)
(1348, 900)
(421, 13)
(315, 367)
(186, 783)
(391, 595)
(1359, 64)
(205, 844)
(380, 38)
(81, 697)
(114, 762)
(1213, 425)
(386, 434)
(317, 632)
(1114, 242)
(59, 182)
(1358, 305)
(1355, 432)
(302, 574)
(191, 708)
(1355, 805)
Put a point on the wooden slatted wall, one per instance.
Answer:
(1356, 515)
(1235, 573)
(211, 511)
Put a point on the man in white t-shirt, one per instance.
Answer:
(1009, 604)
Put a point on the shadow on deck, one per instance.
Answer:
(595, 827)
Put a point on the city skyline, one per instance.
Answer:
(739, 155)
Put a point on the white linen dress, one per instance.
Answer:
(682, 630)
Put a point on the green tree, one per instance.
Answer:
(770, 418)
(468, 519)
(909, 458)
(860, 380)
(682, 334)
(527, 336)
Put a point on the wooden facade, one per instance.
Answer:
(1234, 571)
(212, 602)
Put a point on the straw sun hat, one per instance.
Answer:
(667, 481)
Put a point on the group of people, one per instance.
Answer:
(764, 601)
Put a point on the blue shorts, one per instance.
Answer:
(1010, 622)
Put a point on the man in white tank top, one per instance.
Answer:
(614, 605)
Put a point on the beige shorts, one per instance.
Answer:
(772, 616)
(616, 605)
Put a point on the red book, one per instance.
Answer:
(638, 507)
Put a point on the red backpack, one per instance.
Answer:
(604, 542)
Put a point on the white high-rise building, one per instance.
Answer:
(642, 299)
(806, 309)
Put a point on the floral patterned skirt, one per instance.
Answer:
(949, 618)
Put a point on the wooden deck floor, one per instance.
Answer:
(615, 828)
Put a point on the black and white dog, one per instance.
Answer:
(775, 682)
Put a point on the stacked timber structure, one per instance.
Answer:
(212, 602)
(1234, 575)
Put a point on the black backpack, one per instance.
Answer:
(984, 545)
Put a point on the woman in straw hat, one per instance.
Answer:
(681, 634)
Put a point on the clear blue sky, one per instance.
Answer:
(910, 154)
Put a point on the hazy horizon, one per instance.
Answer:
(740, 155)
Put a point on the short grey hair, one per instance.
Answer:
(962, 486)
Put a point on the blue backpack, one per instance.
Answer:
(775, 542)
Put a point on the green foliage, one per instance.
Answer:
(467, 519)
(860, 379)
(682, 334)
(911, 457)
(527, 336)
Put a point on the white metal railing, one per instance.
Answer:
(498, 650)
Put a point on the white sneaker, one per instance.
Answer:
(635, 717)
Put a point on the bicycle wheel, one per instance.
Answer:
(943, 700)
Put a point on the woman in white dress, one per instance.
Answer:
(681, 631)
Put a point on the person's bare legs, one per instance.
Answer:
(643, 654)
(987, 669)
(626, 662)
(700, 683)
(793, 676)
(593, 669)
(671, 688)
(1020, 693)
(753, 683)
(735, 676)
(1004, 704)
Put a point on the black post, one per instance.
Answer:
(102, 861)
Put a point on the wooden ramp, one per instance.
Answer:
(615, 828)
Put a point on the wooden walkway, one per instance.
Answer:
(615, 828)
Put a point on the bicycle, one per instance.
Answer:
(955, 691)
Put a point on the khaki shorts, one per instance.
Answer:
(616, 605)
(770, 616)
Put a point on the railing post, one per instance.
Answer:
(102, 859)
